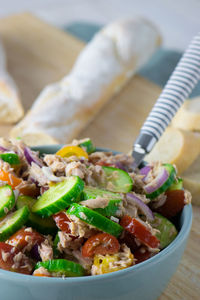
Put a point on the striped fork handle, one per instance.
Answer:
(177, 89)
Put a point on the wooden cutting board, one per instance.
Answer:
(39, 54)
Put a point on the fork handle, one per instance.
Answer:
(177, 89)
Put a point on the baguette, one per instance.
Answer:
(188, 116)
(103, 67)
(191, 180)
(177, 147)
(11, 109)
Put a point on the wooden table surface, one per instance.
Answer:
(39, 54)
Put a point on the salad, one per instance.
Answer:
(83, 212)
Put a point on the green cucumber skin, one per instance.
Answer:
(167, 230)
(56, 252)
(59, 203)
(11, 158)
(88, 146)
(176, 185)
(166, 185)
(62, 267)
(42, 225)
(21, 217)
(123, 184)
(7, 202)
(95, 219)
(113, 206)
(110, 210)
(90, 192)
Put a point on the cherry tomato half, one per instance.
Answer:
(101, 243)
(141, 254)
(174, 203)
(15, 181)
(25, 239)
(140, 231)
(68, 151)
(62, 221)
(129, 240)
(11, 179)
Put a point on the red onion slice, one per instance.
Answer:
(145, 171)
(3, 149)
(141, 205)
(31, 157)
(157, 182)
(120, 165)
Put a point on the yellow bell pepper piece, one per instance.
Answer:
(68, 151)
(111, 263)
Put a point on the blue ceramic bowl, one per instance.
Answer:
(144, 281)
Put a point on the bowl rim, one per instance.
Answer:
(186, 217)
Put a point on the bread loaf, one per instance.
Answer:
(177, 147)
(10, 106)
(102, 68)
(188, 117)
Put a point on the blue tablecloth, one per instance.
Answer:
(159, 67)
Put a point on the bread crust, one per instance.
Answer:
(178, 147)
(188, 116)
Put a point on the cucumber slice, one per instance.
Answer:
(109, 210)
(58, 197)
(7, 200)
(11, 158)
(43, 225)
(87, 146)
(117, 180)
(172, 174)
(90, 192)
(56, 252)
(13, 222)
(113, 205)
(95, 219)
(62, 267)
(177, 184)
(167, 230)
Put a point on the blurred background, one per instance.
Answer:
(173, 17)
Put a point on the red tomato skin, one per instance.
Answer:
(23, 239)
(141, 254)
(62, 222)
(173, 205)
(129, 240)
(103, 163)
(140, 231)
(7, 255)
(101, 243)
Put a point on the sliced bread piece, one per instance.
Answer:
(188, 117)
(176, 146)
(191, 180)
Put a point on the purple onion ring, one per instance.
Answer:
(141, 205)
(30, 157)
(145, 171)
(157, 182)
(3, 149)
